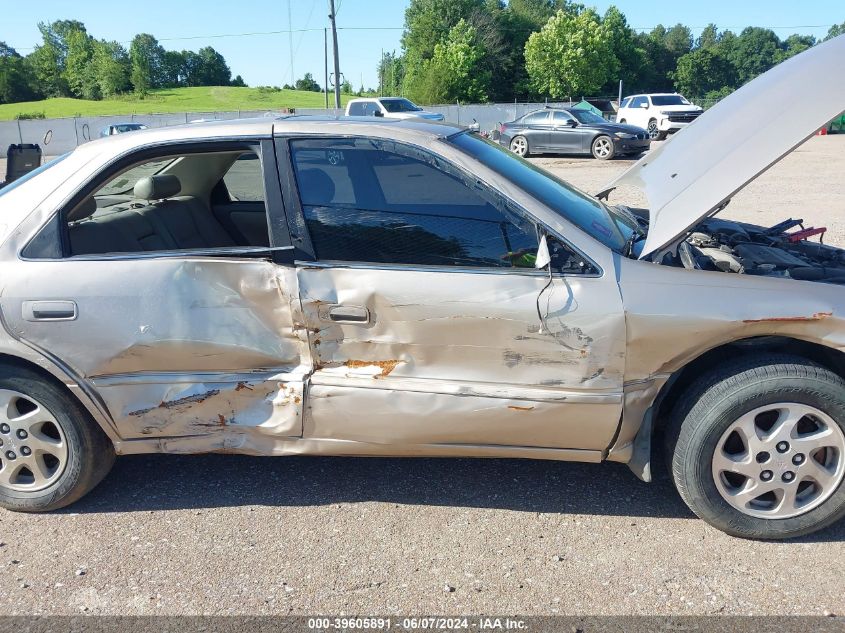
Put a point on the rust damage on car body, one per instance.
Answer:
(386, 366)
(818, 316)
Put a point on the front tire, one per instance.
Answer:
(519, 146)
(757, 447)
(603, 148)
(51, 451)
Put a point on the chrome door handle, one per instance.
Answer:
(49, 310)
(344, 314)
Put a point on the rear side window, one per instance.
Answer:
(384, 202)
(244, 180)
(536, 118)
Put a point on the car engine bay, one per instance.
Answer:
(783, 250)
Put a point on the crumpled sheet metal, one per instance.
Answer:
(456, 357)
(705, 310)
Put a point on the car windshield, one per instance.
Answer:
(399, 105)
(587, 117)
(17, 183)
(668, 100)
(610, 227)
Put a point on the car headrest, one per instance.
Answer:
(157, 187)
(84, 209)
(316, 187)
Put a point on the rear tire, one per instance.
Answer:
(53, 452)
(519, 146)
(757, 447)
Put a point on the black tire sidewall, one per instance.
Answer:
(84, 446)
(696, 468)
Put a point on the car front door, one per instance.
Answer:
(181, 341)
(566, 137)
(422, 307)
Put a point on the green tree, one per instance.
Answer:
(173, 73)
(80, 73)
(238, 82)
(48, 59)
(15, 84)
(308, 83)
(455, 72)
(571, 56)
(391, 72)
(755, 51)
(213, 70)
(709, 38)
(145, 56)
(111, 67)
(703, 71)
(629, 55)
(835, 31)
(795, 44)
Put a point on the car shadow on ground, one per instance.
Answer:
(167, 482)
(176, 482)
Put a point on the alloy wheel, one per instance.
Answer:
(603, 147)
(33, 448)
(779, 461)
(653, 130)
(519, 146)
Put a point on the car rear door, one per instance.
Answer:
(421, 304)
(537, 129)
(191, 346)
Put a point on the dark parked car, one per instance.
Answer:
(572, 131)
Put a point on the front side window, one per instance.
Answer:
(588, 118)
(639, 102)
(375, 201)
(356, 109)
(561, 118)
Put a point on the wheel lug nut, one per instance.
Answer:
(22, 434)
(766, 475)
(798, 459)
(4, 428)
(10, 455)
(26, 451)
(763, 457)
(788, 476)
(782, 447)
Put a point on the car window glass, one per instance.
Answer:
(638, 101)
(172, 204)
(561, 118)
(625, 102)
(244, 180)
(384, 202)
(536, 118)
(356, 109)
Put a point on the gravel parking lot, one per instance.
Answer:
(222, 535)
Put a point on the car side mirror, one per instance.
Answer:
(543, 258)
(572, 123)
(644, 105)
(378, 113)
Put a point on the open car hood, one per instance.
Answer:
(696, 173)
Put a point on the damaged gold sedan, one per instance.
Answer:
(373, 287)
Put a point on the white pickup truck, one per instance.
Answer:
(392, 107)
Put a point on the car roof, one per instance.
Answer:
(265, 127)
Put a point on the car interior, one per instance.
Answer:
(194, 201)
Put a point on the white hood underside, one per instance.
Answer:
(703, 166)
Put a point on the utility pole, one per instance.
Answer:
(290, 43)
(336, 57)
(326, 63)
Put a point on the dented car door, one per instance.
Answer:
(423, 309)
(199, 342)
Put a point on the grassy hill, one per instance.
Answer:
(200, 99)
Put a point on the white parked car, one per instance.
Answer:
(392, 107)
(660, 114)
